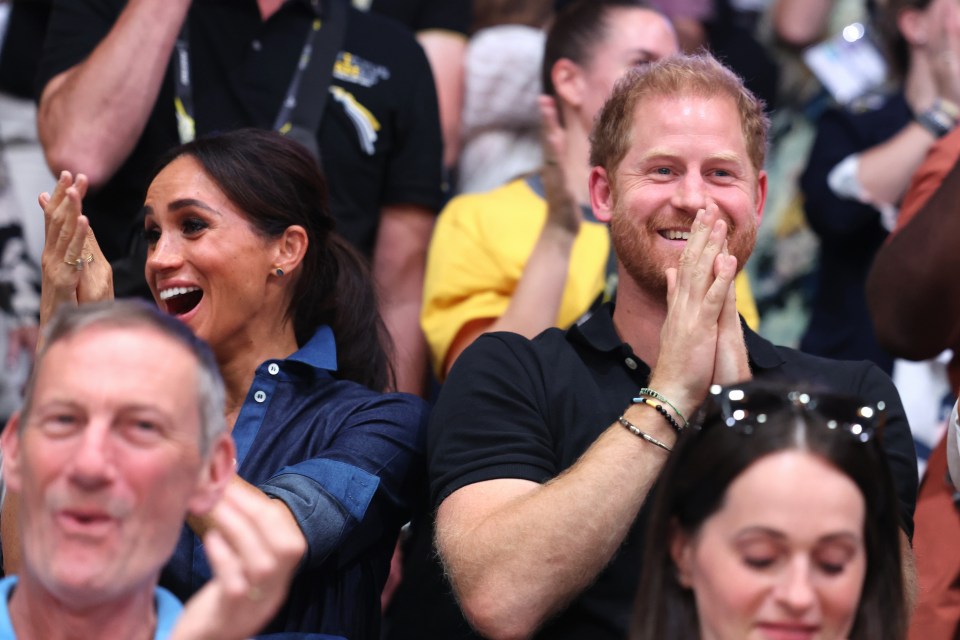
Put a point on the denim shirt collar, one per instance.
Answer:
(320, 351)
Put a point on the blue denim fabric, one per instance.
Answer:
(348, 462)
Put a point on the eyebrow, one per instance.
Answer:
(779, 535)
(182, 203)
(660, 152)
(647, 53)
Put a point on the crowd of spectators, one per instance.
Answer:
(467, 255)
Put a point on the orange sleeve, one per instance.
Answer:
(940, 159)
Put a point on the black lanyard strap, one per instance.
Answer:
(303, 105)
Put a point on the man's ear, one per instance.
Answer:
(681, 551)
(10, 444)
(291, 247)
(601, 194)
(218, 470)
(761, 194)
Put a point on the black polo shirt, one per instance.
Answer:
(518, 408)
(380, 135)
(424, 15)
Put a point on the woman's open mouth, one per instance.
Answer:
(178, 301)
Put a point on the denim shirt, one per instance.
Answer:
(348, 462)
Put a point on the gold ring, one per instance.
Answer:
(80, 262)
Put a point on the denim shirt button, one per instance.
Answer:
(273, 368)
(260, 396)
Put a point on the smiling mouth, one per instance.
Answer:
(181, 300)
(673, 234)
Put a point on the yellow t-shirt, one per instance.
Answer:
(478, 252)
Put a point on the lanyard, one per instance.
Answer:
(183, 99)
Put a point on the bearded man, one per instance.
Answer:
(543, 451)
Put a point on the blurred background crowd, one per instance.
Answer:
(846, 84)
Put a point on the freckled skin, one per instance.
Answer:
(686, 152)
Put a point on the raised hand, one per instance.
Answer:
(62, 260)
(943, 49)
(731, 364)
(253, 549)
(63, 220)
(697, 293)
(563, 211)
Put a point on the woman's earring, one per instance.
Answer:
(279, 272)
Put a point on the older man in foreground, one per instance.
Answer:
(120, 438)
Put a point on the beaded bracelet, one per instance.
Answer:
(646, 436)
(656, 396)
(659, 407)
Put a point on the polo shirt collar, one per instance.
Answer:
(598, 333)
(320, 351)
(761, 352)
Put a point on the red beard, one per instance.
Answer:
(646, 263)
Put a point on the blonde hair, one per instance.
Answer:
(698, 75)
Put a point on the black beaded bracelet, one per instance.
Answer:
(666, 414)
(658, 396)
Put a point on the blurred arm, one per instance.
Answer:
(399, 261)
(91, 115)
(446, 50)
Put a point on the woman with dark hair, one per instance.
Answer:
(241, 248)
(775, 518)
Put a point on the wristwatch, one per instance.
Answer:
(940, 118)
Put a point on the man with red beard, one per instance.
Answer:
(542, 451)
